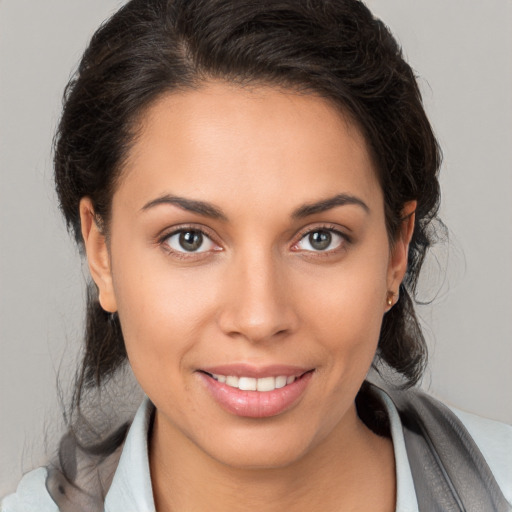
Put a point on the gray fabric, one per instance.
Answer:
(449, 471)
(80, 480)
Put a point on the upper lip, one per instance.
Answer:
(256, 372)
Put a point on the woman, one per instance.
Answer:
(254, 187)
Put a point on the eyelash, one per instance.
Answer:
(162, 240)
(345, 239)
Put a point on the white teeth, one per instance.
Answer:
(247, 384)
(252, 384)
(232, 381)
(267, 384)
(280, 382)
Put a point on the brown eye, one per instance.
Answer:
(189, 240)
(321, 240)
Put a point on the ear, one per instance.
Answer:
(98, 256)
(400, 249)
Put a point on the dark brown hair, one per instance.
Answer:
(333, 48)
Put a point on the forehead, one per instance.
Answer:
(221, 142)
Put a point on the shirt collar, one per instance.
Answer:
(405, 494)
(131, 487)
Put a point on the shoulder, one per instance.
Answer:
(78, 482)
(78, 479)
(453, 455)
(494, 439)
(31, 495)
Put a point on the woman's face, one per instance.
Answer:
(248, 250)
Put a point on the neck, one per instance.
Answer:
(352, 469)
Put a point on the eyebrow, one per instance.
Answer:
(327, 204)
(209, 210)
(191, 205)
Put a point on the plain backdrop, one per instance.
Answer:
(462, 52)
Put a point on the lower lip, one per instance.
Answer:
(256, 404)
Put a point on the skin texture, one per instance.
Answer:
(256, 293)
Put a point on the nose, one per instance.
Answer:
(256, 304)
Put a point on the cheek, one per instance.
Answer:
(345, 311)
(350, 297)
(161, 310)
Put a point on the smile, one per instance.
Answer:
(256, 396)
(264, 384)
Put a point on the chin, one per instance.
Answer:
(255, 457)
(260, 444)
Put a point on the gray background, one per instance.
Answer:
(462, 51)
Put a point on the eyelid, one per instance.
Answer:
(336, 229)
(174, 230)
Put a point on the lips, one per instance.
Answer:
(256, 392)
